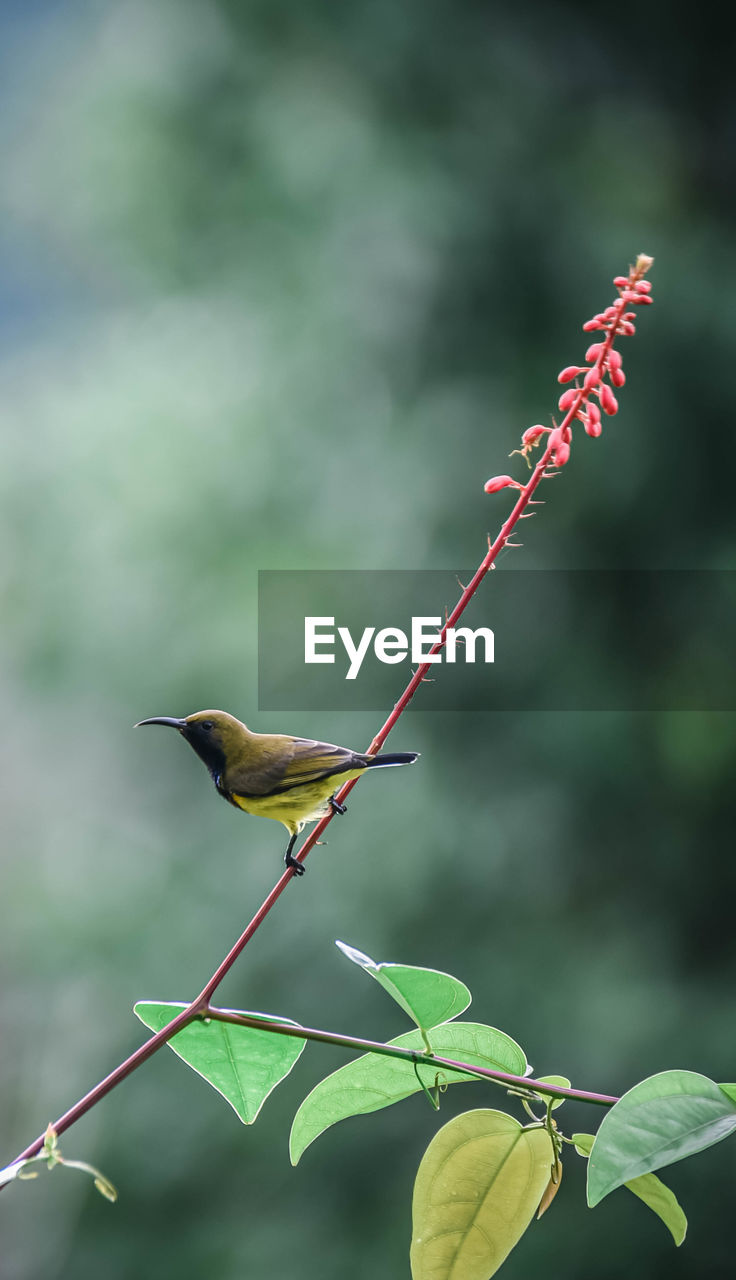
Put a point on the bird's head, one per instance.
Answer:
(214, 735)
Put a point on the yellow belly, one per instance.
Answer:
(306, 803)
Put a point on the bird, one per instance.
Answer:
(272, 775)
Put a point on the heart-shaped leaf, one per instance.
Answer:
(241, 1063)
(663, 1119)
(372, 1081)
(426, 995)
(478, 1187)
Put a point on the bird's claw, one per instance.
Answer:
(295, 865)
(337, 807)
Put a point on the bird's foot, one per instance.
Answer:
(290, 860)
(337, 807)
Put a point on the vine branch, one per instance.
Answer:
(410, 1055)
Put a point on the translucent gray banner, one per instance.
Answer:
(535, 640)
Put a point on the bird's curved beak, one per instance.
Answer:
(175, 724)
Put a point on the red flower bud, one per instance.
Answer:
(621, 282)
(609, 403)
(594, 350)
(613, 359)
(592, 427)
(595, 323)
(533, 434)
(594, 413)
(592, 378)
(568, 373)
(643, 286)
(618, 377)
(568, 398)
(560, 448)
(501, 482)
(627, 328)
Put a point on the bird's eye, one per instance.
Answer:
(207, 725)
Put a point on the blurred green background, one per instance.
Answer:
(280, 287)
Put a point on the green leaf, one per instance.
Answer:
(583, 1143)
(426, 995)
(729, 1090)
(649, 1188)
(477, 1189)
(661, 1201)
(663, 1119)
(242, 1064)
(562, 1081)
(372, 1081)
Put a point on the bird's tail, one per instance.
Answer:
(398, 757)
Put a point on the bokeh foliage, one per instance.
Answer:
(281, 287)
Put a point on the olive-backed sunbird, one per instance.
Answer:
(273, 775)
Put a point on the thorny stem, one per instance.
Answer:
(201, 1005)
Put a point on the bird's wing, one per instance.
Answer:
(304, 761)
(312, 761)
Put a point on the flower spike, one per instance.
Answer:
(588, 383)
